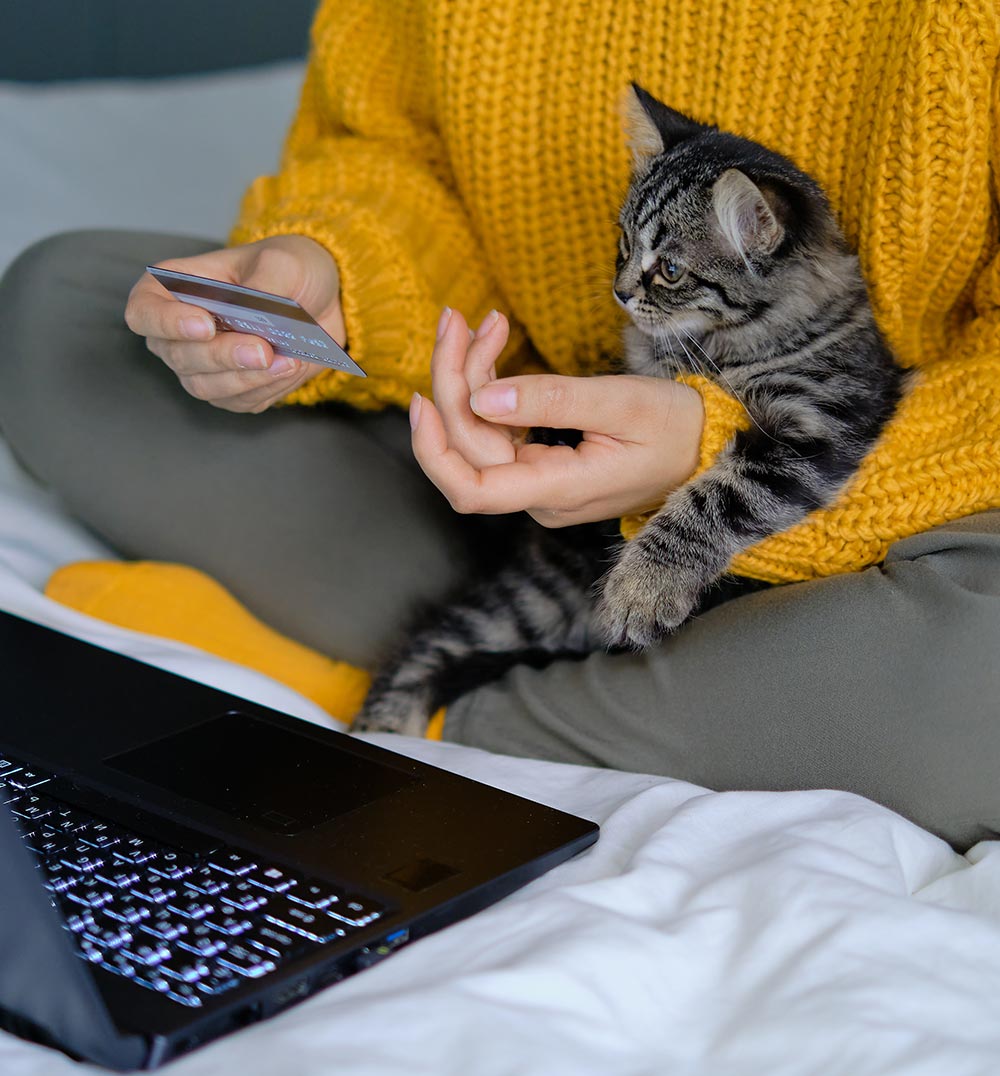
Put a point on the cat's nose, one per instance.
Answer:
(622, 296)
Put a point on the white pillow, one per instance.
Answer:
(168, 154)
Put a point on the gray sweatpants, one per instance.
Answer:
(885, 682)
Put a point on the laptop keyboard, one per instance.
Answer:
(189, 926)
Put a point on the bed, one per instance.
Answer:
(706, 934)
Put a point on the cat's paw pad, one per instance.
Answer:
(394, 711)
(643, 600)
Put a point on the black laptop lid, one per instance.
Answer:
(42, 979)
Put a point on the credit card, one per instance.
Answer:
(285, 325)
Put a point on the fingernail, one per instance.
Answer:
(197, 328)
(443, 321)
(487, 324)
(283, 365)
(494, 400)
(415, 405)
(250, 356)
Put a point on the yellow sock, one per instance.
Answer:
(435, 727)
(182, 603)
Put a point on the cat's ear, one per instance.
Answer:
(651, 126)
(745, 215)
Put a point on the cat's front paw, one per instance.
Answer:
(642, 600)
(397, 711)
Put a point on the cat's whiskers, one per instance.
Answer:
(670, 402)
(695, 363)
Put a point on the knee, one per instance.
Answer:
(40, 261)
(61, 310)
(31, 300)
(30, 305)
(941, 706)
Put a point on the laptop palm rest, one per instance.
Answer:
(260, 773)
(42, 979)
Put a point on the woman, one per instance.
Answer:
(453, 155)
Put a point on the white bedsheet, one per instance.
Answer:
(705, 934)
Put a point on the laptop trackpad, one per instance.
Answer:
(261, 773)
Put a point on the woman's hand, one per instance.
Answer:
(236, 371)
(641, 435)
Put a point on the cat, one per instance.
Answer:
(730, 265)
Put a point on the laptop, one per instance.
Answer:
(179, 862)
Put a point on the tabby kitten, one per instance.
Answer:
(730, 265)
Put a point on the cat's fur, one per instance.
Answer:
(731, 266)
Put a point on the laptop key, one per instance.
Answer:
(186, 994)
(48, 845)
(315, 894)
(62, 816)
(244, 896)
(230, 925)
(247, 961)
(25, 778)
(219, 979)
(203, 941)
(127, 910)
(89, 896)
(30, 808)
(184, 967)
(314, 925)
(100, 835)
(155, 894)
(137, 973)
(93, 954)
(147, 955)
(135, 850)
(65, 825)
(8, 794)
(273, 879)
(357, 910)
(79, 922)
(208, 880)
(117, 877)
(232, 863)
(174, 865)
(59, 877)
(191, 909)
(81, 858)
(120, 965)
(274, 941)
(108, 937)
(150, 978)
(165, 925)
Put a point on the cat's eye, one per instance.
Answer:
(668, 272)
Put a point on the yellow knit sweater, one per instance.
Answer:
(470, 153)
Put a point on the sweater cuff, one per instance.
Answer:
(725, 416)
(384, 323)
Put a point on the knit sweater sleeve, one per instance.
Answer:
(365, 173)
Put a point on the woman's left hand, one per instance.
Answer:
(641, 435)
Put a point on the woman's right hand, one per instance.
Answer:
(231, 370)
(641, 435)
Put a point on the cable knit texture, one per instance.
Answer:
(472, 154)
